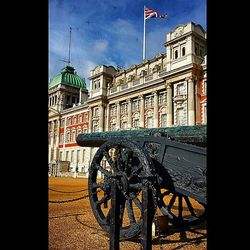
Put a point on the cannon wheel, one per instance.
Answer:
(182, 211)
(131, 163)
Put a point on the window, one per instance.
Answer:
(204, 115)
(67, 156)
(61, 156)
(180, 89)
(180, 116)
(149, 101)
(201, 51)
(61, 138)
(68, 99)
(183, 51)
(150, 122)
(83, 155)
(73, 135)
(74, 119)
(164, 120)
(72, 156)
(176, 54)
(85, 129)
(162, 99)
(113, 126)
(79, 131)
(96, 112)
(196, 49)
(80, 119)
(96, 84)
(124, 108)
(68, 121)
(68, 136)
(85, 117)
(113, 110)
(135, 105)
(62, 123)
(124, 125)
(77, 155)
(136, 123)
(95, 126)
(204, 89)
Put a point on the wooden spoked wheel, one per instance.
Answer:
(182, 211)
(130, 162)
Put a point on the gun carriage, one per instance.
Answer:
(172, 161)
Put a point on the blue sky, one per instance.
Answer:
(111, 32)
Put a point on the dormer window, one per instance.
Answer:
(183, 51)
(176, 54)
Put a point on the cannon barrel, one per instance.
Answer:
(196, 135)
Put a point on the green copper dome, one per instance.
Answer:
(69, 77)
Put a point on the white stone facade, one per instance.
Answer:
(160, 92)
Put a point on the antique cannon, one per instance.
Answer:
(172, 160)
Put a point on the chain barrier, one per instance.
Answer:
(69, 192)
(64, 201)
(70, 200)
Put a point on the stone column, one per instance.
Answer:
(118, 115)
(80, 96)
(142, 111)
(156, 107)
(57, 132)
(129, 113)
(90, 120)
(107, 118)
(52, 137)
(169, 105)
(191, 102)
(52, 141)
(197, 103)
(101, 113)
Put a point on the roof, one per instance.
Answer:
(68, 76)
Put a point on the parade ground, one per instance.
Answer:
(72, 225)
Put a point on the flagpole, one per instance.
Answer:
(144, 36)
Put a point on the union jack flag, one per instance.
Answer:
(149, 13)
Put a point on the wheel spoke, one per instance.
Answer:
(180, 207)
(190, 207)
(122, 206)
(98, 185)
(130, 211)
(104, 171)
(108, 158)
(118, 159)
(107, 219)
(165, 193)
(137, 202)
(171, 203)
(103, 200)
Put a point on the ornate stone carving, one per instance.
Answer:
(179, 31)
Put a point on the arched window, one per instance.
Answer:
(183, 51)
(176, 54)
(80, 119)
(68, 136)
(73, 135)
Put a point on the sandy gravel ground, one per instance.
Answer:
(73, 226)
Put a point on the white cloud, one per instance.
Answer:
(101, 46)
